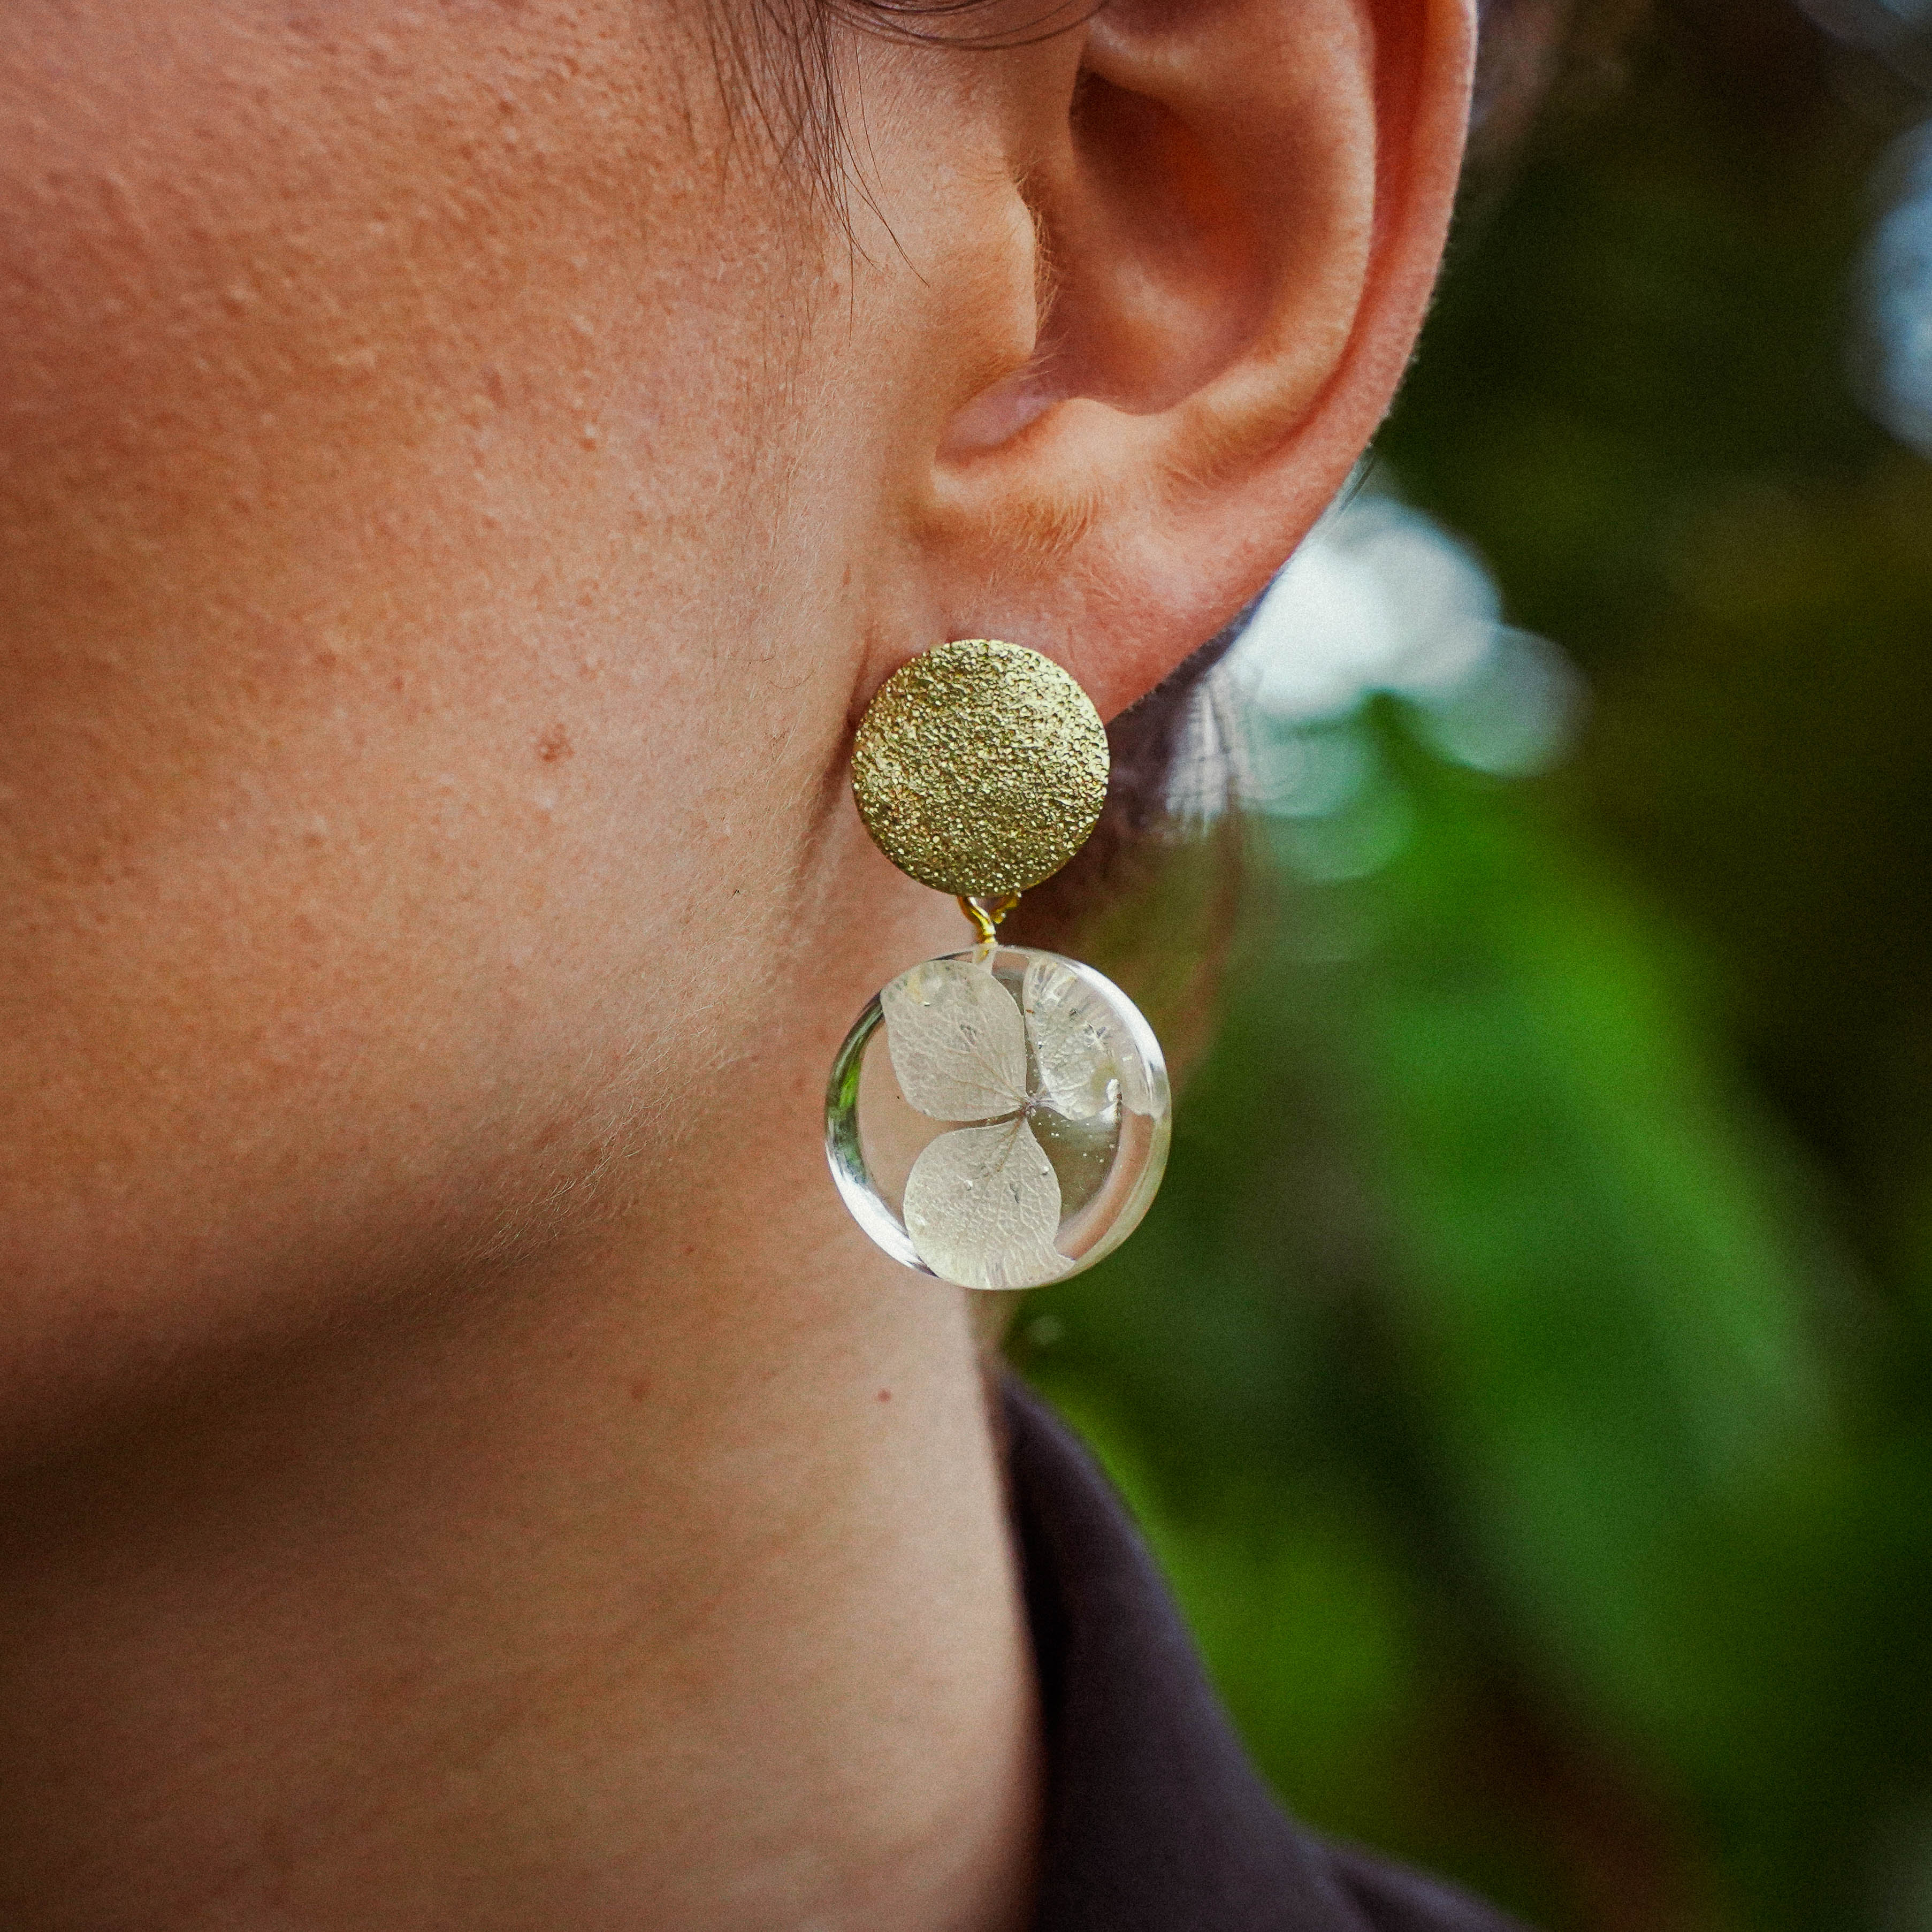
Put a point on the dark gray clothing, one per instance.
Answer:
(1155, 1820)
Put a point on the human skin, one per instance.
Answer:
(458, 489)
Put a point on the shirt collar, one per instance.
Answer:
(1156, 1821)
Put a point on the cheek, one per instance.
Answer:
(383, 500)
(323, 979)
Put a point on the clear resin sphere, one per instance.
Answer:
(999, 1118)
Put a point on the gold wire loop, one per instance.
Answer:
(987, 914)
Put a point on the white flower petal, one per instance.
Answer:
(982, 1206)
(1072, 1030)
(957, 1040)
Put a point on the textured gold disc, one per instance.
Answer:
(980, 767)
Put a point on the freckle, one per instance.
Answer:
(640, 1387)
(885, 1395)
(553, 744)
(492, 384)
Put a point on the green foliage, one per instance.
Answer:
(1526, 1376)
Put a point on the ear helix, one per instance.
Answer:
(999, 1117)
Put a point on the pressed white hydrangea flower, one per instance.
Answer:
(982, 1203)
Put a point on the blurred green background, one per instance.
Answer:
(1526, 1375)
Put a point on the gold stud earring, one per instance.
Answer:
(998, 1117)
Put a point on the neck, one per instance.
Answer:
(562, 1602)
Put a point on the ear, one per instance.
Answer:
(1219, 221)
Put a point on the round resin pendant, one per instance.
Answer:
(998, 1118)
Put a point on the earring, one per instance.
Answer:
(998, 1117)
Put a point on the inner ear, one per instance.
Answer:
(1159, 280)
(1150, 271)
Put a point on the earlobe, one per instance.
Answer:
(1237, 218)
